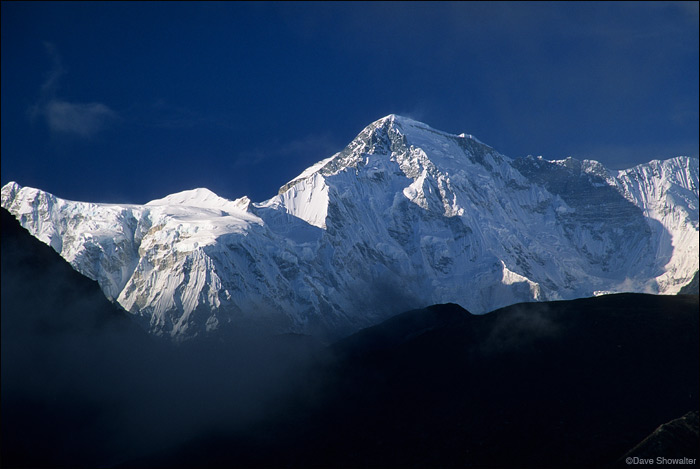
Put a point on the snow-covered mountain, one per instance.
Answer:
(403, 217)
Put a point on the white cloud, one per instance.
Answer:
(64, 117)
(81, 119)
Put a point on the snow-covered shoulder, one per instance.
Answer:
(200, 197)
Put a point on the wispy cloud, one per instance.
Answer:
(49, 87)
(64, 117)
(82, 119)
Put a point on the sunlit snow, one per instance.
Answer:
(403, 217)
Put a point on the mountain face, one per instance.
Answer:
(403, 217)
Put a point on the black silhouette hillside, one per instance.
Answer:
(84, 386)
(64, 348)
(559, 384)
(674, 440)
(693, 288)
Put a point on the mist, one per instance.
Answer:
(82, 385)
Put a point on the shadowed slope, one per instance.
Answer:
(676, 439)
(64, 349)
(84, 386)
(560, 384)
(693, 288)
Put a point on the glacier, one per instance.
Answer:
(405, 216)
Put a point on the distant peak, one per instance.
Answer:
(12, 184)
(11, 187)
(9, 191)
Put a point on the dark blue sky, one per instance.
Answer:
(128, 102)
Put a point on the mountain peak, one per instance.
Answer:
(396, 118)
(412, 128)
(403, 123)
(405, 214)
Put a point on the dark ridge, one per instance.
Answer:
(34, 272)
(546, 385)
(63, 345)
(676, 439)
(693, 288)
(400, 329)
(83, 386)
